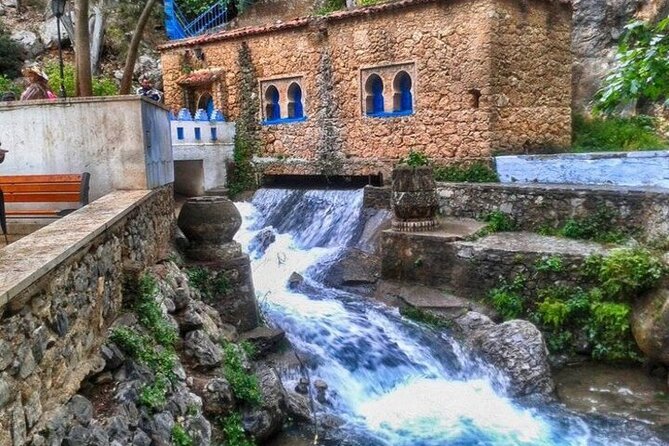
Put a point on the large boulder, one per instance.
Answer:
(353, 267)
(650, 325)
(29, 41)
(517, 349)
(48, 33)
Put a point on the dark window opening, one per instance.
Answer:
(374, 89)
(474, 97)
(272, 107)
(295, 106)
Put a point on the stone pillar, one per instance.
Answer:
(414, 199)
(209, 224)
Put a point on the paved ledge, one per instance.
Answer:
(26, 260)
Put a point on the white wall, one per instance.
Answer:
(620, 168)
(123, 141)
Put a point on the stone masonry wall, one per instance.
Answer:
(534, 205)
(50, 332)
(459, 100)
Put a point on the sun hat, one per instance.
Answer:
(35, 70)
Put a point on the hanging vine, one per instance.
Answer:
(247, 129)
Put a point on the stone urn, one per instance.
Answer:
(209, 224)
(414, 199)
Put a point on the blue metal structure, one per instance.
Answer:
(178, 26)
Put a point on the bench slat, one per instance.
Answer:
(22, 179)
(38, 212)
(41, 197)
(40, 187)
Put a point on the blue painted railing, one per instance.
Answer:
(179, 27)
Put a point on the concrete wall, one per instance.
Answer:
(621, 168)
(124, 141)
(60, 289)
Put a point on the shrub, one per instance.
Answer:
(234, 431)
(499, 221)
(330, 6)
(476, 172)
(415, 158)
(7, 85)
(599, 226)
(101, 86)
(608, 134)
(549, 264)
(507, 300)
(151, 316)
(625, 272)
(154, 395)
(210, 284)
(609, 331)
(243, 384)
(180, 437)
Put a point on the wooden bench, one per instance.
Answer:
(60, 188)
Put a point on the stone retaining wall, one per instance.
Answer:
(60, 288)
(642, 210)
(376, 198)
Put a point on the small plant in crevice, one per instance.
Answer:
(424, 317)
(243, 383)
(599, 226)
(210, 283)
(549, 264)
(154, 395)
(507, 298)
(180, 437)
(476, 172)
(625, 272)
(150, 315)
(415, 158)
(496, 221)
(233, 430)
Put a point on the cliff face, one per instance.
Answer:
(597, 27)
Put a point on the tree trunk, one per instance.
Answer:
(97, 33)
(84, 82)
(126, 82)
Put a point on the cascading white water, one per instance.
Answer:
(392, 382)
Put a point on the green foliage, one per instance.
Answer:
(625, 272)
(247, 131)
(606, 134)
(642, 64)
(150, 315)
(193, 8)
(211, 285)
(248, 349)
(415, 158)
(101, 86)
(144, 349)
(549, 264)
(7, 85)
(599, 226)
(497, 221)
(234, 431)
(370, 2)
(330, 6)
(11, 56)
(507, 298)
(154, 395)
(609, 329)
(243, 384)
(180, 437)
(424, 317)
(476, 172)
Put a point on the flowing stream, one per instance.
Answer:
(391, 381)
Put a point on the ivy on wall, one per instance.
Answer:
(247, 129)
(328, 148)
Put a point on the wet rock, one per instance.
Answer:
(299, 406)
(650, 325)
(354, 267)
(199, 347)
(266, 420)
(321, 388)
(217, 397)
(262, 240)
(264, 339)
(472, 321)
(517, 349)
(302, 386)
(295, 280)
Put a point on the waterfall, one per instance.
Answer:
(391, 381)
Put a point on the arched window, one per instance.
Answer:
(402, 97)
(295, 106)
(374, 90)
(272, 107)
(206, 102)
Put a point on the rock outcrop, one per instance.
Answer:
(650, 325)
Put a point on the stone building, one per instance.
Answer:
(352, 92)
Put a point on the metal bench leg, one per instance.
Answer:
(3, 217)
